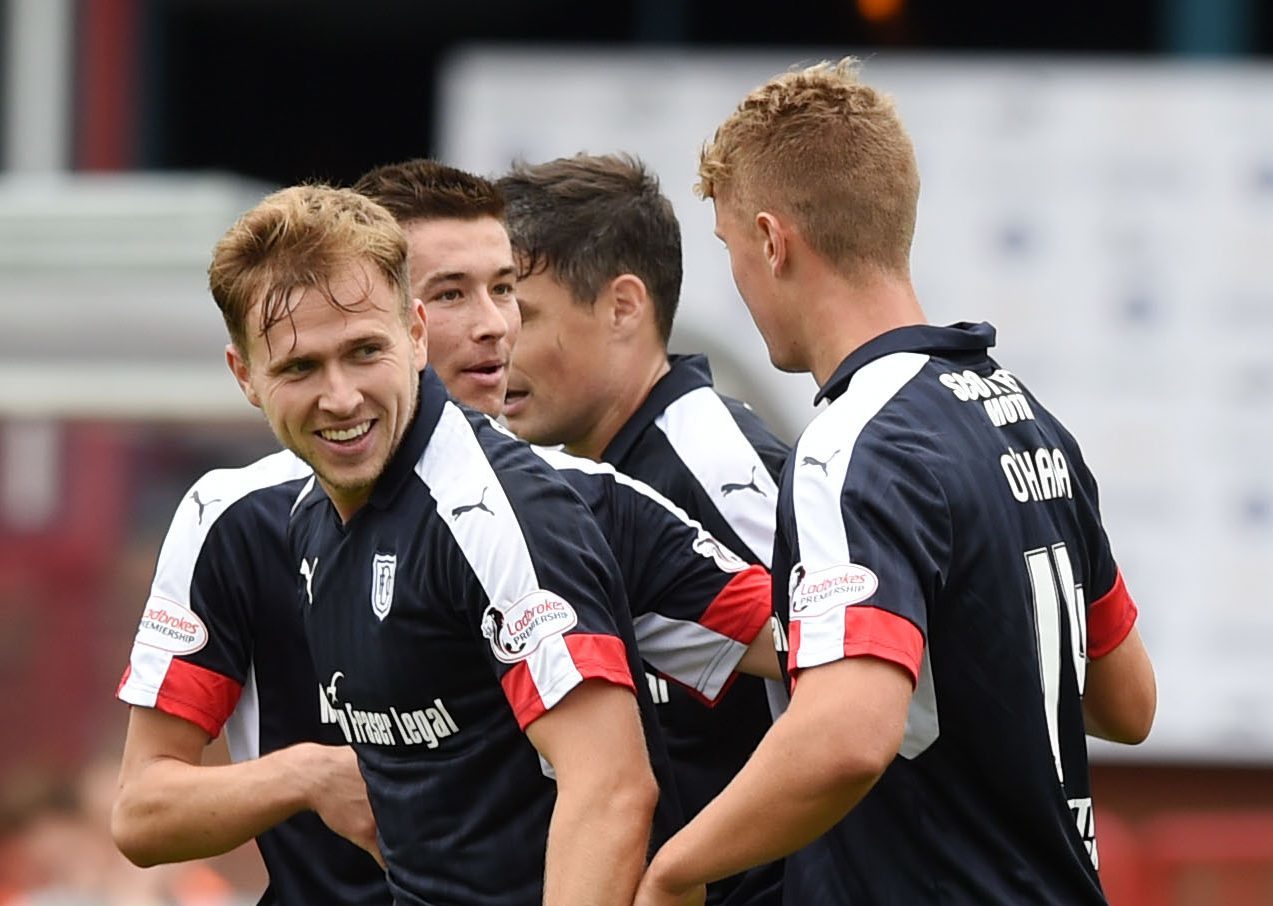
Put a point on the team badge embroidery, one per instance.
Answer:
(383, 568)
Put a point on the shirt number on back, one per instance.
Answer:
(1057, 598)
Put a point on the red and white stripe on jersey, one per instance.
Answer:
(163, 679)
(456, 471)
(855, 631)
(703, 655)
(705, 436)
(157, 679)
(1110, 619)
(535, 685)
(823, 541)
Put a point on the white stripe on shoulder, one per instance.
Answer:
(825, 449)
(208, 499)
(472, 503)
(562, 461)
(705, 436)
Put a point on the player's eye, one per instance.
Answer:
(503, 289)
(449, 295)
(297, 367)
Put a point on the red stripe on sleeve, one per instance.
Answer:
(793, 649)
(1110, 619)
(874, 632)
(128, 671)
(202, 696)
(870, 632)
(522, 694)
(602, 657)
(743, 607)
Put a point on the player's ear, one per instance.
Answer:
(631, 304)
(773, 233)
(418, 331)
(242, 372)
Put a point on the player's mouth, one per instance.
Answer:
(490, 373)
(349, 437)
(514, 401)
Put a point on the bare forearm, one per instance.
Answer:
(597, 845)
(819, 759)
(171, 811)
(783, 798)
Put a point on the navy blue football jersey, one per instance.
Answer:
(696, 606)
(221, 644)
(715, 458)
(468, 597)
(935, 515)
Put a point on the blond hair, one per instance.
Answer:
(829, 152)
(296, 239)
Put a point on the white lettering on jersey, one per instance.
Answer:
(658, 688)
(818, 592)
(516, 630)
(1041, 474)
(1000, 393)
(383, 568)
(419, 726)
(307, 573)
(1085, 820)
(170, 627)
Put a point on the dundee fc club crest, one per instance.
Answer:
(383, 567)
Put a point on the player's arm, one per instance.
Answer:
(606, 795)
(761, 658)
(170, 807)
(1121, 697)
(843, 728)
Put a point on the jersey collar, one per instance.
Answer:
(688, 372)
(962, 337)
(432, 398)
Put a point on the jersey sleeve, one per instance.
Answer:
(696, 606)
(1111, 612)
(874, 541)
(539, 589)
(193, 650)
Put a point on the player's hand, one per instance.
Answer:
(655, 890)
(340, 798)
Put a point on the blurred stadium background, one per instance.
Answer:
(1098, 182)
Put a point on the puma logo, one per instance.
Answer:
(480, 505)
(202, 504)
(731, 487)
(811, 461)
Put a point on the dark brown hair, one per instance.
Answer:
(591, 218)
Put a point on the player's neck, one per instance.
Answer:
(640, 376)
(848, 314)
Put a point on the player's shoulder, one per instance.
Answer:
(222, 499)
(882, 420)
(217, 489)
